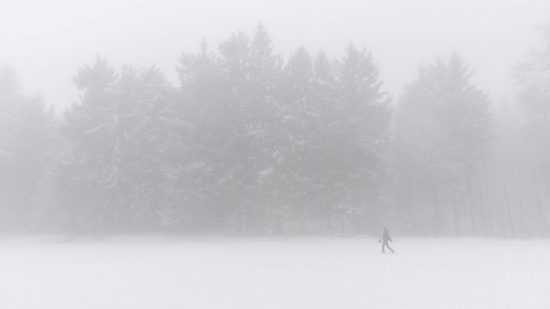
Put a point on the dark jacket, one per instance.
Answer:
(386, 236)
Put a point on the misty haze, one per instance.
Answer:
(275, 154)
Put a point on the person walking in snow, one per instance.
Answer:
(385, 240)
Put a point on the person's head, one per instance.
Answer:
(385, 229)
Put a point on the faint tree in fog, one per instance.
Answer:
(533, 77)
(443, 133)
(251, 70)
(88, 173)
(204, 108)
(298, 141)
(115, 168)
(27, 142)
(361, 129)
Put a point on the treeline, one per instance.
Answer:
(253, 142)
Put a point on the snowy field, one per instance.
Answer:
(303, 273)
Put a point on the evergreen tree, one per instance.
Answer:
(251, 71)
(532, 145)
(444, 129)
(296, 130)
(88, 173)
(115, 170)
(360, 132)
(533, 76)
(27, 142)
(206, 109)
(149, 128)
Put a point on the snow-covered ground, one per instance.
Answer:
(303, 273)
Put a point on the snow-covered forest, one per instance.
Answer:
(251, 141)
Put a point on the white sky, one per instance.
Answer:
(46, 41)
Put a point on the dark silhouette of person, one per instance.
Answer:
(385, 240)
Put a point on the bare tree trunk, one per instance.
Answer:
(489, 203)
(482, 202)
(328, 224)
(538, 200)
(436, 213)
(456, 215)
(471, 207)
(509, 211)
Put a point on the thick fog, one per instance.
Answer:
(275, 118)
(275, 154)
(47, 40)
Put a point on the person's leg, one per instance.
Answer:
(388, 245)
(384, 244)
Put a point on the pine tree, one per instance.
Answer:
(533, 76)
(209, 111)
(251, 71)
(149, 138)
(88, 173)
(27, 152)
(533, 145)
(360, 134)
(116, 167)
(295, 137)
(444, 129)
